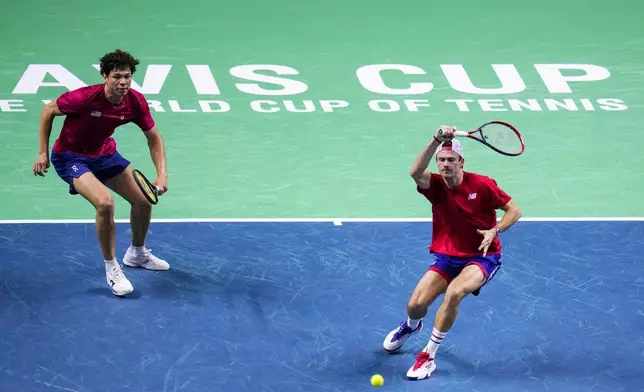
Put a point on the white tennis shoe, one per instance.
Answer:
(144, 259)
(117, 281)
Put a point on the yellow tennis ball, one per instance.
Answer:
(377, 380)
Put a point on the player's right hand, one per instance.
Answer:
(445, 133)
(41, 165)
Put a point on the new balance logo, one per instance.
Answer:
(472, 196)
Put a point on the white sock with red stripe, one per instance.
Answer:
(434, 341)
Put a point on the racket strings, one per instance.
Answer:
(146, 187)
(502, 138)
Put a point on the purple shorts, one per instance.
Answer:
(69, 166)
(449, 266)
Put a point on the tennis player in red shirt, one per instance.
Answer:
(85, 157)
(465, 243)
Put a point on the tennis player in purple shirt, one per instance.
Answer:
(85, 157)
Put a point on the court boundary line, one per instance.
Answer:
(335, 221)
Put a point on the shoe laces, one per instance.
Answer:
(116, 274)
(147, 253)
(421, 359)
(402, 330)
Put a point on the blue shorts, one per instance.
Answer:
(69, 166)
(449, 266)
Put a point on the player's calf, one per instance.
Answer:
(464, 284)
(430, 286)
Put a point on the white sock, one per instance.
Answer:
(110, 263)
(434, 341)
(413, 324)
(138, 250)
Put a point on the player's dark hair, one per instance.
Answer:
(116, 60)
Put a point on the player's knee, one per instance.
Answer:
(415, 305)
(419, 302)
(454, 295)
(105, 205)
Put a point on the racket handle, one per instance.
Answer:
(457, 133)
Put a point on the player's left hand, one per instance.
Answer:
(41, 165)
(488, 237)
(162, 184)
(445, 133)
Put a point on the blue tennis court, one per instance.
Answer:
(305, 306)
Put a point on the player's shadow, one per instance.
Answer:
(106, 292)
(209, 286)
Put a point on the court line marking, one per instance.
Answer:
(335, 221)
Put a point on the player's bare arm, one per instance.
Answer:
(158, 154)
(511, 216)
(46, 120)
(419, 171)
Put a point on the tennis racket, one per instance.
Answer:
(497, 135)
(151, 192)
